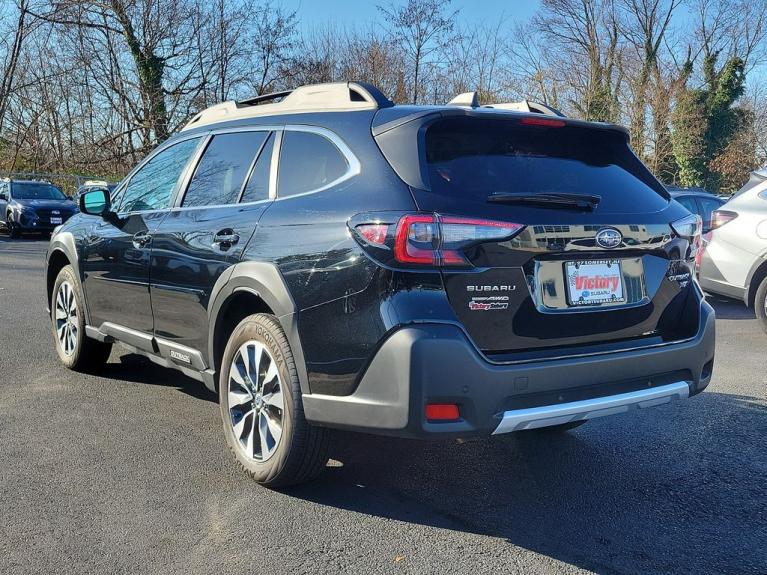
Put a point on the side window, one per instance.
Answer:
(708, 205)
(308, 162)
(689, 203)
(222, 170)
(151, 187)
(257, 187)
(3, 191)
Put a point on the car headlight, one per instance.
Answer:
(27, 215)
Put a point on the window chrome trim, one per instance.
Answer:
(252, 168)
(275, 165)
(210, 135)
(353, 164)
(191, 168)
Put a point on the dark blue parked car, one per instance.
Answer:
(33, 206)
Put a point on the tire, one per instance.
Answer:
(760, 304)
(265, 426)
(13, 230)
(76, 351)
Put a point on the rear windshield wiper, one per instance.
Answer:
(554, 200)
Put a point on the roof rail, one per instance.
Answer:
(333, 97)
(527, 106)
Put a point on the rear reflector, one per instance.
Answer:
(442, 412)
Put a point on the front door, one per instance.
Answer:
(116, 256)
(206, 232)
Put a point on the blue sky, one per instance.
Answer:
(360, 12)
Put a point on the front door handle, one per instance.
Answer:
(225, 239)
(141, 239)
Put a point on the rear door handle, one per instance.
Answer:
(225, 239)
(141, 239)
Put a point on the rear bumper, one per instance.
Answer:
(436, 363)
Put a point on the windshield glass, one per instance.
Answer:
(37, 191)
(471, 158)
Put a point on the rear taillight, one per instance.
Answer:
(432, 240)
(721, 217)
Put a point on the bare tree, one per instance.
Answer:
(423, 27)
(587, 34)
(11, 52)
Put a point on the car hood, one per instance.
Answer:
(63, 205)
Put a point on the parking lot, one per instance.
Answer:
(129, 472)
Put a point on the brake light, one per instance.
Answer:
(439, 240)
(721, 217)
(543, 122)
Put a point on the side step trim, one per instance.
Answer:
(547, 415)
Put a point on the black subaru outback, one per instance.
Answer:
(325, 259)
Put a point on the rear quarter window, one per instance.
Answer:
(308, 162)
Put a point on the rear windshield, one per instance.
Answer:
(37, 192)
(471, 158)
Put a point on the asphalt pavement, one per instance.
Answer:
(128, 472)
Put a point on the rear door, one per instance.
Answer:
(576, 275)
(205, 233)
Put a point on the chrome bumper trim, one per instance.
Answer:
(547, 415)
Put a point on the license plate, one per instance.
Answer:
(56, 220)
(594, 282)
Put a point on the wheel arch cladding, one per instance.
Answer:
(253, 287)
(756, 275)
(62, 252)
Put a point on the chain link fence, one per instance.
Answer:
(68, 183)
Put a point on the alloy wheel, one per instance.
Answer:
(256, 403)
(65, 315)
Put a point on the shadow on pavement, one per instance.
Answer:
(136, 368)
(627, 494)
(727, 308)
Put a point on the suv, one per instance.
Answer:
(331, 260)
(734, 262)
(33, 206)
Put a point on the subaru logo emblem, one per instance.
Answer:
(609, 238)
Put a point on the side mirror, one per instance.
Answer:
(96, 202)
